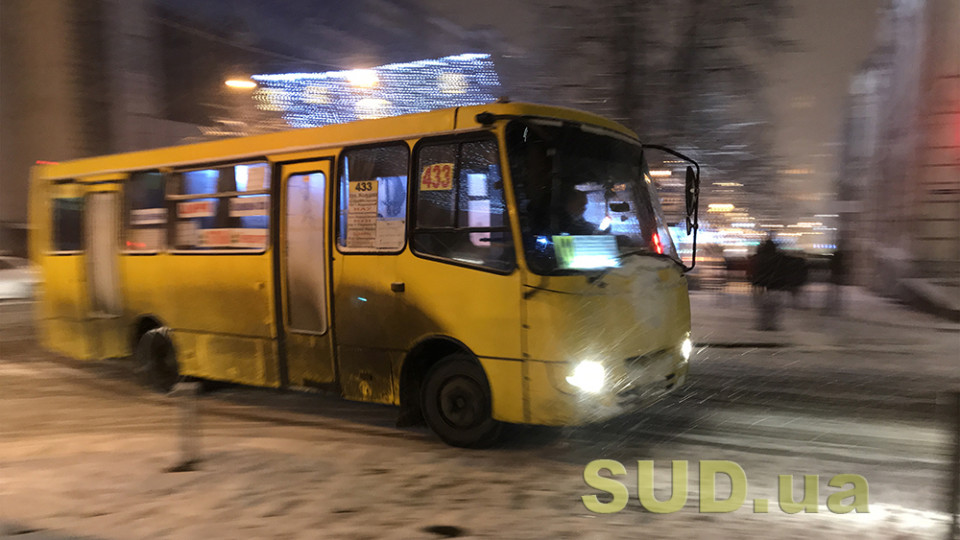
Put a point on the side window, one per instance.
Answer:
(461, 212)
(227, 208)
(67, 224)
(145, 222)
(373, 199)
(305, 252)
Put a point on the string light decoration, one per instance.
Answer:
(333, 97)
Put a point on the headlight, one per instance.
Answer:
(588, 376)
(686, 348)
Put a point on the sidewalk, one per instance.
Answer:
(938, 296)
(729, 319)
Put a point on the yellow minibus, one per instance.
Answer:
(502, 263)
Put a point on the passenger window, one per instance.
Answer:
(461, 212)
(226, 208)
(146, 216)
(373, 199)
(68, 224)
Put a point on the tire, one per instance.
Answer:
(456, 403)
(155, 361)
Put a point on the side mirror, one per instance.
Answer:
(679, 200)
(692, 196)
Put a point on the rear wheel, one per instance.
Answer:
(456, 403)
(155, 361)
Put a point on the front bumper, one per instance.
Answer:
(639, 392)
(632, 384)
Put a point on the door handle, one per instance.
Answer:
(397, 286)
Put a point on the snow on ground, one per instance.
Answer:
(277, 486)
(84, 454)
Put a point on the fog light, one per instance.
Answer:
(686, 348)
(588, 376)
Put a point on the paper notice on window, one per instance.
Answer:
(213, 238)
(249, 238)
(186, 233)
(196, 209)
(148, 216)
(258, 205)
(234, 238)
(150, 239)
(362, 215)
(586, 252)
(257, 177)
(390, 234)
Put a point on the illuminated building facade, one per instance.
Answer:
(900, 176)
(78, 79)
(103, 76)
(332, 97)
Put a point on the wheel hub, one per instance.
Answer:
(461, 402)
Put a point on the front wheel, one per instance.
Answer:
(456, 403)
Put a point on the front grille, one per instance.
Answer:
(648, 358)
(647, 376)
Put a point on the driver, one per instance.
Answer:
(572, 220)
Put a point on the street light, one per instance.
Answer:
(241, 84)
(363, 78)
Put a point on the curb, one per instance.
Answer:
(925, 296)
(745, 345)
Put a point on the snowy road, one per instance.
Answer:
(84, 453)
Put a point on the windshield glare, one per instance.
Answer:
(585, 199)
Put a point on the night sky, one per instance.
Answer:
(806, 87)
(805, 92)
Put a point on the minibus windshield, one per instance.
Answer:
(585, 199)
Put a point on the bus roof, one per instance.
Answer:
(299, 140)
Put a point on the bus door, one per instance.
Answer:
(372, 324)
(63, 305)
(304, 255)
(101, 243)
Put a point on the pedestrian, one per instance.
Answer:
(767, 277)
(794, 270)
(834, 303)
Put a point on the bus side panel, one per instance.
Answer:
(367, 323)
(109, 336)
(221, 308)
(480, 309)
(62, 301)
(367, 374)
(221, 294)
(506, 388)
(67, 337)
(236, 359)
(548, 405)
(38, 216)
(144, 285)
(376, 325)
(64, 287)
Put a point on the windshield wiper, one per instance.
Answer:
(600, 275)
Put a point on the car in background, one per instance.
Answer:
(18, 278)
